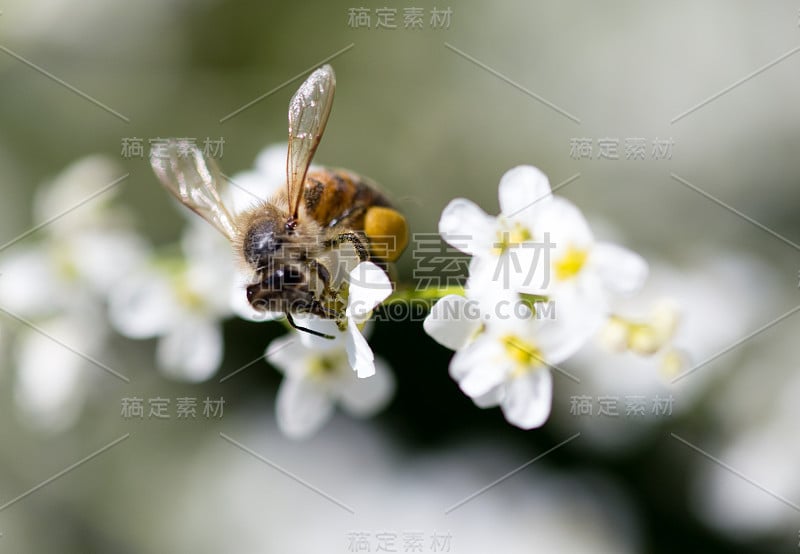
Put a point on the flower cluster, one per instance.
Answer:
(539, 287)
(538, 252)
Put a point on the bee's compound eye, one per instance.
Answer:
(292, 276)
(252, 291)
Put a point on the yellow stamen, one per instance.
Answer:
(510, 238)
(186, 295)
(672, 363)
(615, 334)
(570, 263)
(322, 367)
(643, 339)
(525, 354)
(66, 268)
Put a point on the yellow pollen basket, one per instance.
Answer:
(387, 230)
(514, 237)
(570, 263)
(525, 354)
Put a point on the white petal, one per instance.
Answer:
(620, 269)
(566, 225)
(359, 354)
(249, 188)
(202, 242)
(522, 190)
(207, 282)
(369, 286)
(465, 226)
(271, 164)
(73, 185)
(29, 285)
(479, 367)
(51, 380)
(287, 354)
(518, 269)
(577, 318)
(143, 305)
(528, 399)
(103, 257)
(302, 408)
(452, 322)
(320, 325)
(492, 398)
(366, 397)
(192, 351)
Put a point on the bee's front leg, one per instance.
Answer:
(357, 242)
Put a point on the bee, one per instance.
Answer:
(301, 244)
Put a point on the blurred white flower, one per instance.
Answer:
(318, 376)
(663, 385)
(181, 301)
(85, 244)
(259, 184)
(754, 405)
(51, 380)
(396, 488)
(57, 286)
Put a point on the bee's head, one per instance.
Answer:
(281, 289)
(263, 239)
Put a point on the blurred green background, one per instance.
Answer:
(430, 125)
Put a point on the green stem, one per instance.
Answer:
(429, 293)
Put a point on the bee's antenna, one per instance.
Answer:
(306, 329)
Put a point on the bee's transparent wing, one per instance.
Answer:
(194, 180)
(308, 114)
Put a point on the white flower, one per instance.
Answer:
(502, 360)
(318, 377)
(505, 248)
(368, 286)
(181, 301)
(539, 244)
(595, 271)
(81, 254)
